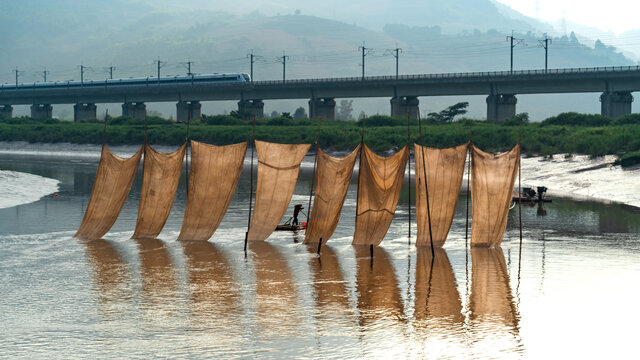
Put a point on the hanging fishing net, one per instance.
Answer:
(332, 182)
(110, 190)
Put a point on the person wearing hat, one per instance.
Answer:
(296, 210)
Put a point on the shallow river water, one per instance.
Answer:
(573, 294)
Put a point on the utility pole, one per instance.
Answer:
(365, 52)
(396, 54)
(514, 42)
(188, 63)
(111, 68)
(545, 44)
(17, 72)
(251, 61)
(159, 67)
(82, 67)
(44, 74)
(283, 59)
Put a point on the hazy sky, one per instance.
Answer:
(614, 15)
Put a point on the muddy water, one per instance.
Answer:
(573, 292)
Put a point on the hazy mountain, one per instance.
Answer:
(435, 36)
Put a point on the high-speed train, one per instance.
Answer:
(167, 80)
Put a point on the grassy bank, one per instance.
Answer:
(561, 134)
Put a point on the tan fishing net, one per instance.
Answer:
(159, 185)
(278, 167)
(492, 181)
(332, 182)
(110, 190)
(379, 185)
(445, 168)
(214, 175)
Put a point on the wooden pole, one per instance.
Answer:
(466, 230)
(426, 187)
(520, 194)
(104, 130)
(313, 177)
(186, 153)
(360, 168)
(253, 143)
(409, 165)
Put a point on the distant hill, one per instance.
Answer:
(435, 36)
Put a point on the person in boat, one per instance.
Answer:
(296, 210)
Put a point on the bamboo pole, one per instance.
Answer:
(104, 130)
(253, 144)
(409, 165)
(313, 177)
(426, 188)
(520, 196)
(360, 167)
(466, 230)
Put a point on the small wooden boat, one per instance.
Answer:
(531, 196)
(289, 227)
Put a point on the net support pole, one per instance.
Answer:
(360, 167)
(313, 176)
(186, 153)
(104, 130)
(520, 196)
(426, 188)
(466, 230)
(253, 145)
(409, 166)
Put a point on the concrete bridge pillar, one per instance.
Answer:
(251, 108)
(136, 111)
(84, 111)
(501, 107)
(6, 111)
(188, 111)
(41, 111)
(403, 105)
(322, 109)
(616, 104)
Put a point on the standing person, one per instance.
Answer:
(296, 210)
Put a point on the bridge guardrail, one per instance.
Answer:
(605, 69)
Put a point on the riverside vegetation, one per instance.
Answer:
(568, 133)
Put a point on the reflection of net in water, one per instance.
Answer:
(276, 298)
